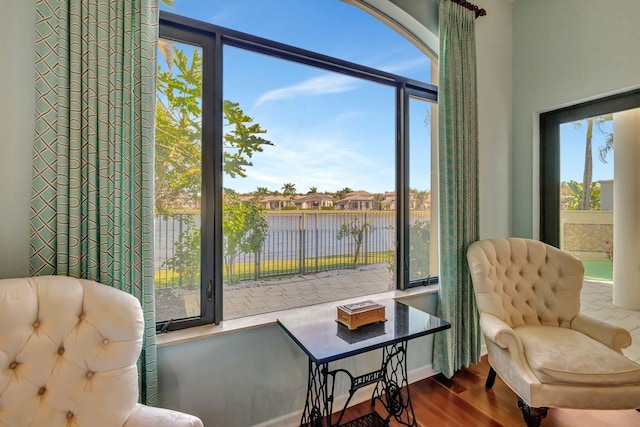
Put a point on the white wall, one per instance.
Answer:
(565, 52)
(17, 105)
(495, 116)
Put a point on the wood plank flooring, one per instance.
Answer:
(464, 402)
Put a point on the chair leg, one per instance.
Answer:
(532, 416)
(491, 378)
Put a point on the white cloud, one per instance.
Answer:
(327, 162)
(325, 84)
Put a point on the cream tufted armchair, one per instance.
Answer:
(68, 352)
(550, 355)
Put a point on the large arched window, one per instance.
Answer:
(294, 159)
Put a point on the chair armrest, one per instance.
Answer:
(612, 336)
(500, 333)
(148, 416)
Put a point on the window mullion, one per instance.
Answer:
(212, 163)
(402, 186)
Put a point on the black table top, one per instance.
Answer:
(325, 340)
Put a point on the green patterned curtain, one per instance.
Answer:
(92, 189)
(458, 183)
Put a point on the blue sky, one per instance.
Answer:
(329, 131)
(332, 131)
(572, 151)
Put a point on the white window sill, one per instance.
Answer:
(257, 321)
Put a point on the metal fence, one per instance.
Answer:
(297, 243)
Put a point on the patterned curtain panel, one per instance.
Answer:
(92, 202)
(458, 175)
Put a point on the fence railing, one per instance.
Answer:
(297, 243)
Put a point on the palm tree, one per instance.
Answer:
(587, 175)
(289, 189)
(261, 192)
(312, 190)
(608, 146)
(342, 193)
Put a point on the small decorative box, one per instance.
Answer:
(360, 314)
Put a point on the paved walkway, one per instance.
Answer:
(597, 302)
(266, 296)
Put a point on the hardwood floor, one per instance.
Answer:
(463, 401)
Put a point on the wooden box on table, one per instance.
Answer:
(360, 314)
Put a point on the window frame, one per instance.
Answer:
(550, 153)
(211, 39)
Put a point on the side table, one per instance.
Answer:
(324, 341)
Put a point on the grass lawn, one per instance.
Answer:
(598, 270)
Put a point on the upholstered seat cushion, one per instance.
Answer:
(557, 356)
(68, 356)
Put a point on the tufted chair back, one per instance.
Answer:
(68, 352)
(525, 282)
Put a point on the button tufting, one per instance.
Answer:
(82, 316)
(41, 391)
(36, 324)
(89, 374)
(105, 341)
(61, 351)
(70, 415)
(13, 365)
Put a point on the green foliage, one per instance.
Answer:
(244, 229)
(178, 132)
(608, 146)
(355, 231)
(186, 260)
(339, 195)
(242, 142)
(178, 166)
(261, 192)
(289, 189)
(419, 249)
(572, 192)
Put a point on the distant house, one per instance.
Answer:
(415, 202)
(314, 201)
(358, 201)
(276, 203)
(389, 201)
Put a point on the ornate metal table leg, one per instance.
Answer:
(316, 410)
(393, 390)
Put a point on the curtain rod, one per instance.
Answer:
(471, 6)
